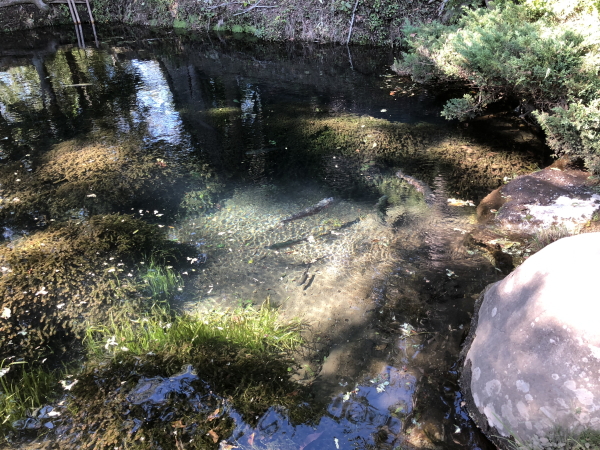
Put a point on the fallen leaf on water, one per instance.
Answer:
(177, 424)
(310, 438)
(214, 414)
(251, 439)
(214, 436)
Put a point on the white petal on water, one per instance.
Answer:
(111, 341)
(67, 385)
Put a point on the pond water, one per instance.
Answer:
(217, 140)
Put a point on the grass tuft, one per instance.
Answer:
(23, 391)
(547, 236)
(161, 331)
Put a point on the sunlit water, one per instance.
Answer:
(385, 287)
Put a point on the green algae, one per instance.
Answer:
(56, 280)
(100, 174)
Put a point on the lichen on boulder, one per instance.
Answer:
(541, 199)
(532, 359)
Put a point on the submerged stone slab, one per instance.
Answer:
(532, 359)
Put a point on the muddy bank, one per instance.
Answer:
(338, 21)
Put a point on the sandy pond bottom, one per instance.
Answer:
(385, 300)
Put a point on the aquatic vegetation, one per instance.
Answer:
(99, 174)
(162, 282)
(196, 202)
(56, 280)
(23, 390)
(240, 360)
(366, 144)
(161, 331)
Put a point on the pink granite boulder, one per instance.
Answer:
(532, 359)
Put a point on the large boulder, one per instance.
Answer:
(552, 196)
(532, 359)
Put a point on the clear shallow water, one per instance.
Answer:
(217, 141)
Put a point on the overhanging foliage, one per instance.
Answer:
(539, 53)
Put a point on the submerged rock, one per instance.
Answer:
(532, 359)
(157, 390)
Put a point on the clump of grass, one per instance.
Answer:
(23, 390)
(162, 282)
(254, 329)
(547, 236)
(242, 357)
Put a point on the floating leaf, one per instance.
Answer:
(177, 424)
(214, 436)
(214, 414)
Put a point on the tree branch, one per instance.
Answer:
(351, 23)
(256, 5)
(39, 3)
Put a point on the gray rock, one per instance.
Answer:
(532, 359)
(540, 200)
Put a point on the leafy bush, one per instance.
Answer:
(540, 52)
(574, 131)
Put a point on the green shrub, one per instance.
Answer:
(574, 131)
(537, 53)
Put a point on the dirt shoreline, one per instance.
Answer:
(325, 21)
